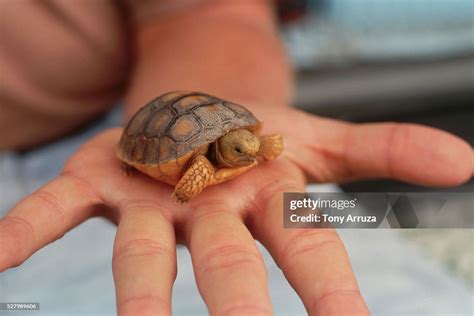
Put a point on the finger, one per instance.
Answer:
(336, 151)
(313, 260)
(144, 260)
(414, 153)
(43, 217)
(229, 269)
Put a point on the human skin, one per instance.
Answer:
(220, 225)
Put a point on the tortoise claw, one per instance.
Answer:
(179, 198)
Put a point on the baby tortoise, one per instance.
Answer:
(193, 140)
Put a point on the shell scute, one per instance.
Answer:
(139, 120)
(159, 123)
(214, 114)
(185, 127)
(167, 149)
(186, 104)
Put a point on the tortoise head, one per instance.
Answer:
(237, 148)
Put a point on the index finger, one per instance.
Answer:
(43, 217)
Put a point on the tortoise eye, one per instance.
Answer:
(237, 149)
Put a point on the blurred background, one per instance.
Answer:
(357, 60)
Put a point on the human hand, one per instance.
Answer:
(219, 226)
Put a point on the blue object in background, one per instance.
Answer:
(346, 31)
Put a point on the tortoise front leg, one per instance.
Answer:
(201, 174)
(271, 146)
(194, 180)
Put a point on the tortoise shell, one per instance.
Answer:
(177, 123)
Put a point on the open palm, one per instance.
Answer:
(220, 225)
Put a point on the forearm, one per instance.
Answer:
(229, 50)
